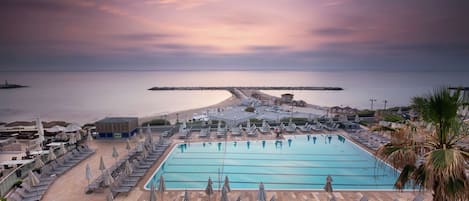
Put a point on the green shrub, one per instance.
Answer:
(250, 109)
(157, 122)
(366, 113)
(393, 118)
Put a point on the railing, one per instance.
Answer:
(10, 179)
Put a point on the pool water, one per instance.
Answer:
(297, 163)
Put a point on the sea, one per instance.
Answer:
(84, 97)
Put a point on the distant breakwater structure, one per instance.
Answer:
(11, 86)
(298, 88)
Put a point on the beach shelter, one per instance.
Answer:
(161, 186)
(62, 149)
(152, 192)
(88, 173)
(38, 163)
(127, 145)
(108, 180)
(227, 184)
(102, 167)
(224, 194)
(209, 188)
(40, 131)
(115, 154)
(186, 196)
(51, 155)
(110, 197)
(127, 168)
(261, 196)
(328, 186)
(273, 198)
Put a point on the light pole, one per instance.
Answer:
(385, 103)
(372, 100)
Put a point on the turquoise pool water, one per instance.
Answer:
(298, 162)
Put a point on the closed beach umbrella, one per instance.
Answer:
(38, 163)
(72, 139)
(144, 153)
(40, 131)
(115, 154)
(161, 140)
(161, 186)
(127, 168)
(224, 194)
(209, 188)
(328, 186)
(261, 196)
(89, 137)
(357, 119)
(127, 145)
(248, 124)
(186, 196)
(102, 167)
(88, 173)
(148, 129)
(110, 197)
(62, 149)
(152, 192)
(78, 136)
(51, 155)
(33, 180)
(273, 198)
(227, 184)
(108, 180)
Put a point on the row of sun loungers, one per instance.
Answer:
(49, 173)
(371, 140)
(124, 183)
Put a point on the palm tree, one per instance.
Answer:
(432, 157)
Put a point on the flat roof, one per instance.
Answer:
(117, 119)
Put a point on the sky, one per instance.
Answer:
(81, 35)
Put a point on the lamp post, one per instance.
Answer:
(385, 103)
(372, 100)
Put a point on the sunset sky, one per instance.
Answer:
(234, 35)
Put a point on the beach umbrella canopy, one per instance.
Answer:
(186, 196)
(115, 154)
(273, 198)
(108, 180)
(110, 197)
(62, 149)
(127, 145)
(127, 168)
(51, 155)
(261, 196)
(88, 174)
(224, 194)
(161, 186)
(139, 146)
(33, 180)
(209, 188)
(328, 186)
(38, 163)
(102, 167)
(227, 184)
(152, 192)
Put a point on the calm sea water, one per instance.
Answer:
(87, 96)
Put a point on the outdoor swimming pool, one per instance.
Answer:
(297, 163)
